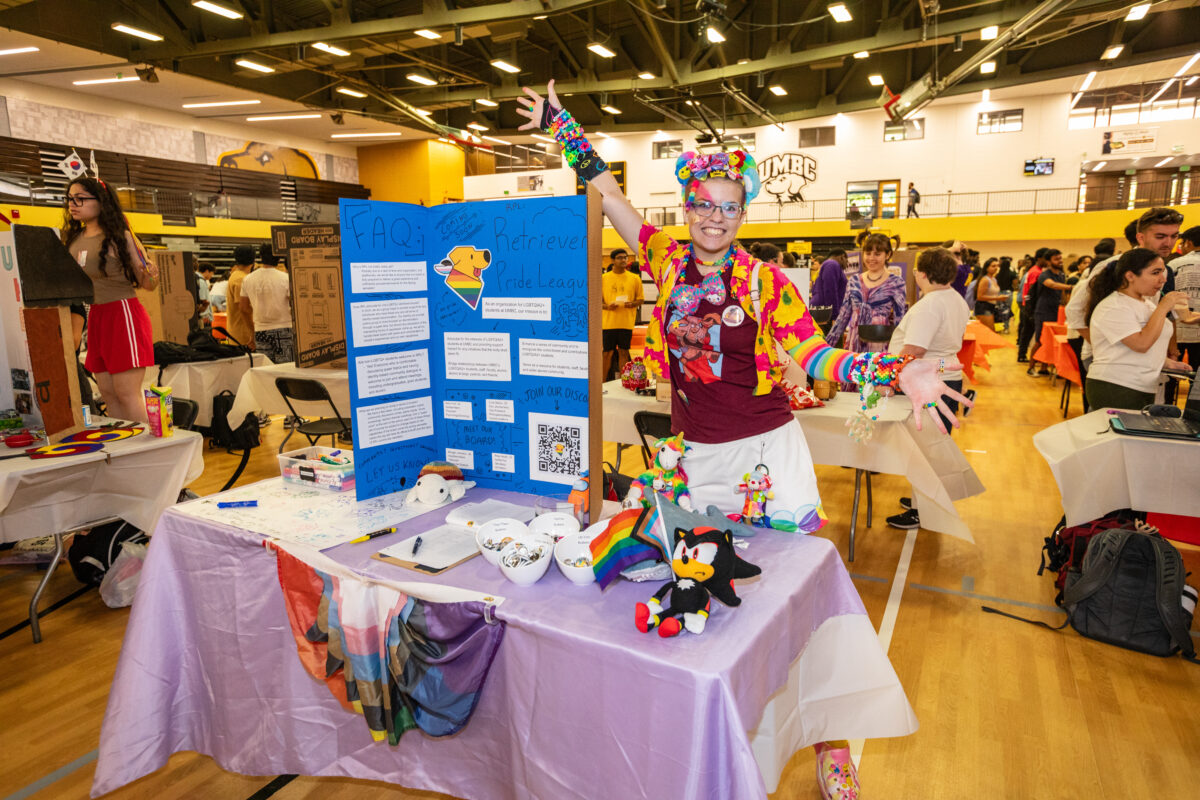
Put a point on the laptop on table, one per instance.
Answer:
(1135, 423)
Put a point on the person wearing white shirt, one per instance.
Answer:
(932, 330)
(1129, 331)
(216, 295)
(1187, 280)
(267, 296)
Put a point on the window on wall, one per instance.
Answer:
(904, 131)
(825, 136)
(668, 149)
(1000, 121)
(739, 141)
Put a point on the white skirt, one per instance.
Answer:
(715, 470)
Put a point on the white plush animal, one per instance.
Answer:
(438, 484)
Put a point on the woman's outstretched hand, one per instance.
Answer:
(919, 380)
(533, 106)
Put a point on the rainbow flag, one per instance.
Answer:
(465, 287)
(622, 544)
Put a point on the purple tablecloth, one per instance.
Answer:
(578, 702)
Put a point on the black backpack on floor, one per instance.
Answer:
(221, 436)
(92, 554)
(1129, 592)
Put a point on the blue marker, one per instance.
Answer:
(239, 504)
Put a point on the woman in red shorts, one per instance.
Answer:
(120, 345)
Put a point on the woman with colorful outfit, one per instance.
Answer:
(120, 344)
(873, 297)
(716, 330)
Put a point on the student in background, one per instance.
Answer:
(1028, 293)
(914, 199)
(120, 344)
(963, 254)
(1187, 280)
(829, 289)
(1050, 285)
(216, 294)
(1129, 330)
(987, 294)
(618, 255)
(873, 297)
(266, 297)
(241, 325)
(621, 292)
(204, 273)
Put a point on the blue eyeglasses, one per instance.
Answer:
(705, 208)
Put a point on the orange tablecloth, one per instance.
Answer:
(1054, 350)
(977, 341)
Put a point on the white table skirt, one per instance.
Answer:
(135, 479)
(257, 392)
(1098, 471)
(200, 381)
(931, 461)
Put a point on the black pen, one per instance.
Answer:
(416, 545)
(372, 535)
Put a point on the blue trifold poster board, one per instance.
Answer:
(467, 338)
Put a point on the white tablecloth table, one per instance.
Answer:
(1098, 471)
(257, 392)
(134, 479)
(200, 381)
(931, 461)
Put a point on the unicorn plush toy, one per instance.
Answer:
(665, 476)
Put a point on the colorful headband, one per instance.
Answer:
(736, 165)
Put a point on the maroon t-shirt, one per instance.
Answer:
(712, 371)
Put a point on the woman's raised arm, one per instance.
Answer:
(540, 111)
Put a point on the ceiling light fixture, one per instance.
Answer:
(610, 109)
(118, 79)
(1191, 80)
(17, 50)
(476, 126)
(425, 33)
(254, 65)
(1091, 76)
(1164, 162)
(1137, 12)
(603, 135)
(601, 50)
(840, 13)
(504, 66)
(713, 35)
(1112, 51)
(875, 80)
(646, 76)
(333, 51)
(227, 13)
(281, 117)
(483, 101)
(541, 138)
(989, 33)
(1188, 65)
(138, 32)
(778, 91)
(423, 112)
(1098, 166)
(1075, 100)
(861, 54)
(218, 103)
(1161, 89)
(363, 135)
(422, 78)
(987, 67)
(498, 141)
(351, 92)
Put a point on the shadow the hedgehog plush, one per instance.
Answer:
(705, 566)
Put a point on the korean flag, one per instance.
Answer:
(72, 166)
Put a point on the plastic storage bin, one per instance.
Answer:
(304, 469)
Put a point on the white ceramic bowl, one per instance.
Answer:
(491, 536)
(575, 546)
(557, 524)
(528, 573)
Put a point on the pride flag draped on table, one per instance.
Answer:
(401, 662)
(632, 536)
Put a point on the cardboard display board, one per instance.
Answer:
(470, 340)
(55, 376)
(173, 306)
(314, 258)
(57, 280)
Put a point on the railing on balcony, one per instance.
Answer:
(175, 206)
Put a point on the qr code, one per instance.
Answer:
(559, 449)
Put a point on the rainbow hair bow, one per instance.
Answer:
(737, 165)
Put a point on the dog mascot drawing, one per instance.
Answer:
(463, 267)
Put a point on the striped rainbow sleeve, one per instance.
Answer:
(825, 363)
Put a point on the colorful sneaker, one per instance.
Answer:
(836, 774)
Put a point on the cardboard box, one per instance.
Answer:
(314, 259)
(174, 306)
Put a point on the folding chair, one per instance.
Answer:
(184, 412)
(306, 390)
(651, 426)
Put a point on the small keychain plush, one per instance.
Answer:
(756, 486)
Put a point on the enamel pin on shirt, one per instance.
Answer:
(733, 316)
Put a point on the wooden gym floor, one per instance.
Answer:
(1007, 710)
